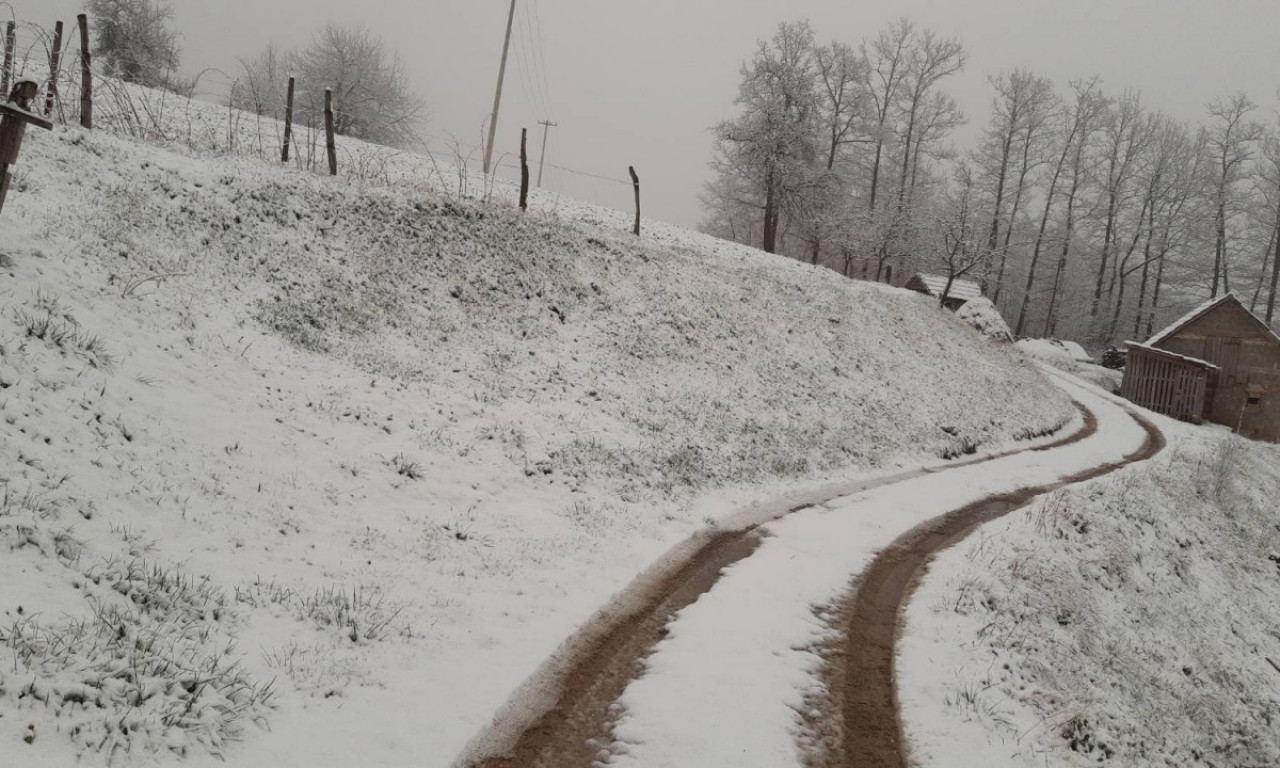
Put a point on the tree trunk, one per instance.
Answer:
(1275, 273)
(1146, 271)
(770, 215)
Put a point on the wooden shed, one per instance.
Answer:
(1219, 363)
(961, 292)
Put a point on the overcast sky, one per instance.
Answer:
(641, 82)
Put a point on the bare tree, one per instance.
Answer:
(1230, 136)
(1269, 182)
(1010, 150)
(373, 98)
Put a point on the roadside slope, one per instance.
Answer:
(406, 442)
(1129, 620)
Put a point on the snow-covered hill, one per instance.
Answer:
(1131, 620)
(305, 471)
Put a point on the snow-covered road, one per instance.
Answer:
(727, 687)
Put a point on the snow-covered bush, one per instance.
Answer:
(983, 315)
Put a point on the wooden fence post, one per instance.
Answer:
(329, 145)
(86, 76)
(55, 63)
(288, 124)
(635, 182)
(524, 170)
(9, 41)
(15, 114)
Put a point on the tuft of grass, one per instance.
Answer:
(406, 467)
(63, 332)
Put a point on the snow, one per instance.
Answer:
(382, 446)
(1050, 350)
(983, 315)
(1126, 620)
(1167, 353)
(725, 685)
(1070, 357)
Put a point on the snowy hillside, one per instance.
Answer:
(1130, 620)
(303, 471)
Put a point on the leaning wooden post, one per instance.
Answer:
(55, 62)
(86, 76)
(635, 182)
(524, 170)
(14, 116)
(288, 124)
(9, 41)
(329, 145)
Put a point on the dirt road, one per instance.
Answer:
(859, 676)
(566, 722)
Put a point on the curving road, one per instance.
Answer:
(566, 716)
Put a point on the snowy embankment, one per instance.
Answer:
(350, 461)
(1128, 620)
(726, 687)
(1070, 357)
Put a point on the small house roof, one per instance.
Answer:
(934, 285)
(1203, 310)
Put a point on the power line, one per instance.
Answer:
(537, 20)
(536, 78)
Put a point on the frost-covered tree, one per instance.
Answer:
(373, 98)
(133, 40)
(769, 148)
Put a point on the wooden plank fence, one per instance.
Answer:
(1166, 383)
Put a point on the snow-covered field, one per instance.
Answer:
(304, 471)
(1131, 620)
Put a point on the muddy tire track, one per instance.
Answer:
(571, 726)
(857, 723)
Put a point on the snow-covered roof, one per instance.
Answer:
(1203, 310)
(1167, 353)
(964, 290)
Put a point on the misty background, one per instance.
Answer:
(642, 83)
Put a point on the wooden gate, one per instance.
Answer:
(1167, 383)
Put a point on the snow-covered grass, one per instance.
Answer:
(1129, 621)
(361, 452)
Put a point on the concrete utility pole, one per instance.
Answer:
(546, 126)
(497, 97)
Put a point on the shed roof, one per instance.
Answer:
(1205, 309)
(1173, 355)
(965, 290)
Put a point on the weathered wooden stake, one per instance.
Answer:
(524, 170)
(329, 144)
(635, 182)
(55, 63)
(14, 116)
(86, 75)
(288, 124)
(9, 41)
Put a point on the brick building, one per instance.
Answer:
(1220, 364)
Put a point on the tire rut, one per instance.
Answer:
(864, 728)
(574, 729)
